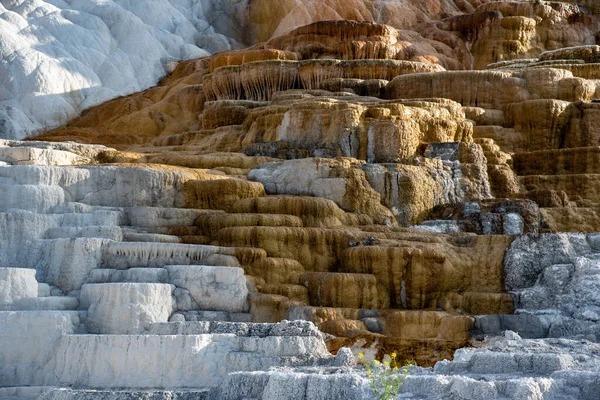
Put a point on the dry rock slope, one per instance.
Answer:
(426, 187)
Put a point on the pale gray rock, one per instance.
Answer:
(180, 328)
(43, 290)
(439, 226)
(60, 303)
(41, 188)
(530, 254)
(177, 317)
(146, 217)
(29, 340)
(22, 392)
(212, 288)
(86, 151)
(184, 300)
(556, 278)
(528, 326)
(35, 156)
(126, 308)
(301, 177)
(103, 232)
(512, 224)
(291, 387)
(122, 255)
(114, 361)
(133, 275)
(95, 217)
(83, 394)
(130, 236)
(470, 208)
(511, 369)
(66, 263)
(283, 328)
(119, 288)
(344, 358)
(388, 181)
(443, 151)
(304, 384)
(32, 197)
(62, 57)
(180, 360)
(16, 284)
(220, 316)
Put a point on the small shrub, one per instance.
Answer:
(386, 377)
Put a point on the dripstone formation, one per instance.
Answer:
(425, 185)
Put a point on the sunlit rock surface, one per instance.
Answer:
(59, 58)
(428, 188)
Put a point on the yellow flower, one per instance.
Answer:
(377, 362)
(394, 355)
(368, 372)
(360, 355)
(386, 363)
(405, 370)
(395, 368)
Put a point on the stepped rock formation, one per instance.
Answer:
(100, 59)
(366, 176)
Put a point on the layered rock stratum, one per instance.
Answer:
(298, 182)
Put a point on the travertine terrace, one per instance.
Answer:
(315, 179)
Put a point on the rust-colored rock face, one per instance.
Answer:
(376, 174)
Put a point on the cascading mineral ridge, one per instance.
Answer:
(233, 200)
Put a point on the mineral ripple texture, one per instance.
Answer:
(232, 199)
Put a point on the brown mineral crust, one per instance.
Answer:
(138, 118)
(558, 162)
(245, 56)
(219, 194)
(330, 289)
(424, 352)
(582, 189)
(540, 122)
(469, 25)
(378, 99)
(395, 127)
(317, 249)
(211, 224)
(259, 80)
(341, 180)
(527, 29)
(347, 40)
(340, 314)
(487, 89)
(412, 191)
(361, 87)
(268, 307)
(206, 161)
(494, 89)
(419, 275)
(168, 114)
(589, 54)
(270, 20)
(276, 270)
(297, 294)
(572, 219)
(253, 81)
(584, 125)
(313, 211)
(503, 180)
(547, 198)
